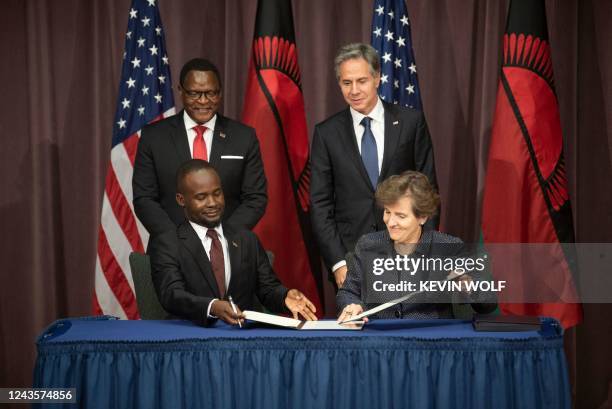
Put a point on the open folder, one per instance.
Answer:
(298, 324)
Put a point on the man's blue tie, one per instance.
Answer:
(369, 154)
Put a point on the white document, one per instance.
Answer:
(298, 324)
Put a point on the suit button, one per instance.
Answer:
(398, 314)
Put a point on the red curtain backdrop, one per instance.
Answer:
(60, 69)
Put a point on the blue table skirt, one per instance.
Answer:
(390, 364)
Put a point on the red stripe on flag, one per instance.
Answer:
(116, 279)
(131, 147)
(97, 310)
(122, 210)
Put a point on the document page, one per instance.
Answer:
(300, 325)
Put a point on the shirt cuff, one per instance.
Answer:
(208, 309)
(339, 264)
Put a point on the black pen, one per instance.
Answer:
(235, 309)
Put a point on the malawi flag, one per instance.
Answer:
(526, 197)
(274, 106)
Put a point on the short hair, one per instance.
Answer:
(192, 165)
(425, 199)
(355, 51)
(198, 64)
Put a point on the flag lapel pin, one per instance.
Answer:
(222, 134)
(234, 244)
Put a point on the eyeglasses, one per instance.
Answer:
(211, 95)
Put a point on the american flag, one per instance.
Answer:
(391, 38)
(145, 95)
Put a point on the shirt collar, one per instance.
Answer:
(201, 230)
(190, 123)
(377, 113)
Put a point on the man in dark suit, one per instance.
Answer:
(201, 263)
(354, 150)
(198, 132)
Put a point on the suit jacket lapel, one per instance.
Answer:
(350, 141)
(219, 141)
(194, 246)
(393, 128)
(179, 137)
(234, 247)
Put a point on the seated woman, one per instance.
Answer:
(408, 200)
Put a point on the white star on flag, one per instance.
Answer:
(377, 32)
(380, 10)
(389, 36)
(145, 90)
(158, 98)
(135, 62)
(400, 42)
(404, 20)
(153, 50)
(397, 62)
(126, 103)
(384, 78)
(149, 70)
(410, 89)
(131, 83)
(141, 42)
(412, 68)
(145, 21)
(151, 3)
(121, 122)
(161, 79)
(141, 110)
(133, 13)
(387, 57)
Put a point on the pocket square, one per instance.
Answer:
(231, 157)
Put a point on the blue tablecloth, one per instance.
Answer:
(389, 364)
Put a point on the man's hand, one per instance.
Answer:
(299, 304)
(340, 275)
(224, 311)
(350, 311)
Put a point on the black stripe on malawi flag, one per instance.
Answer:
(274, 106)
(526, 196)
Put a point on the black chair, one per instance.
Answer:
(146, 297)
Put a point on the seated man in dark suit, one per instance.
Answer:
(200, 264)
(198, 132)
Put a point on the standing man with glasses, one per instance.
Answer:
(354, 150)
(198, 132)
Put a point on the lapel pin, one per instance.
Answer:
(234, 244)
(396, 122)
(221, 134)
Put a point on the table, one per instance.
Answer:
(389, 364)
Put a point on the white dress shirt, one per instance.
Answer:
(207, 243)
(377, 124)
(191, 133)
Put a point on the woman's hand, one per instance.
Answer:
(350, 311)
